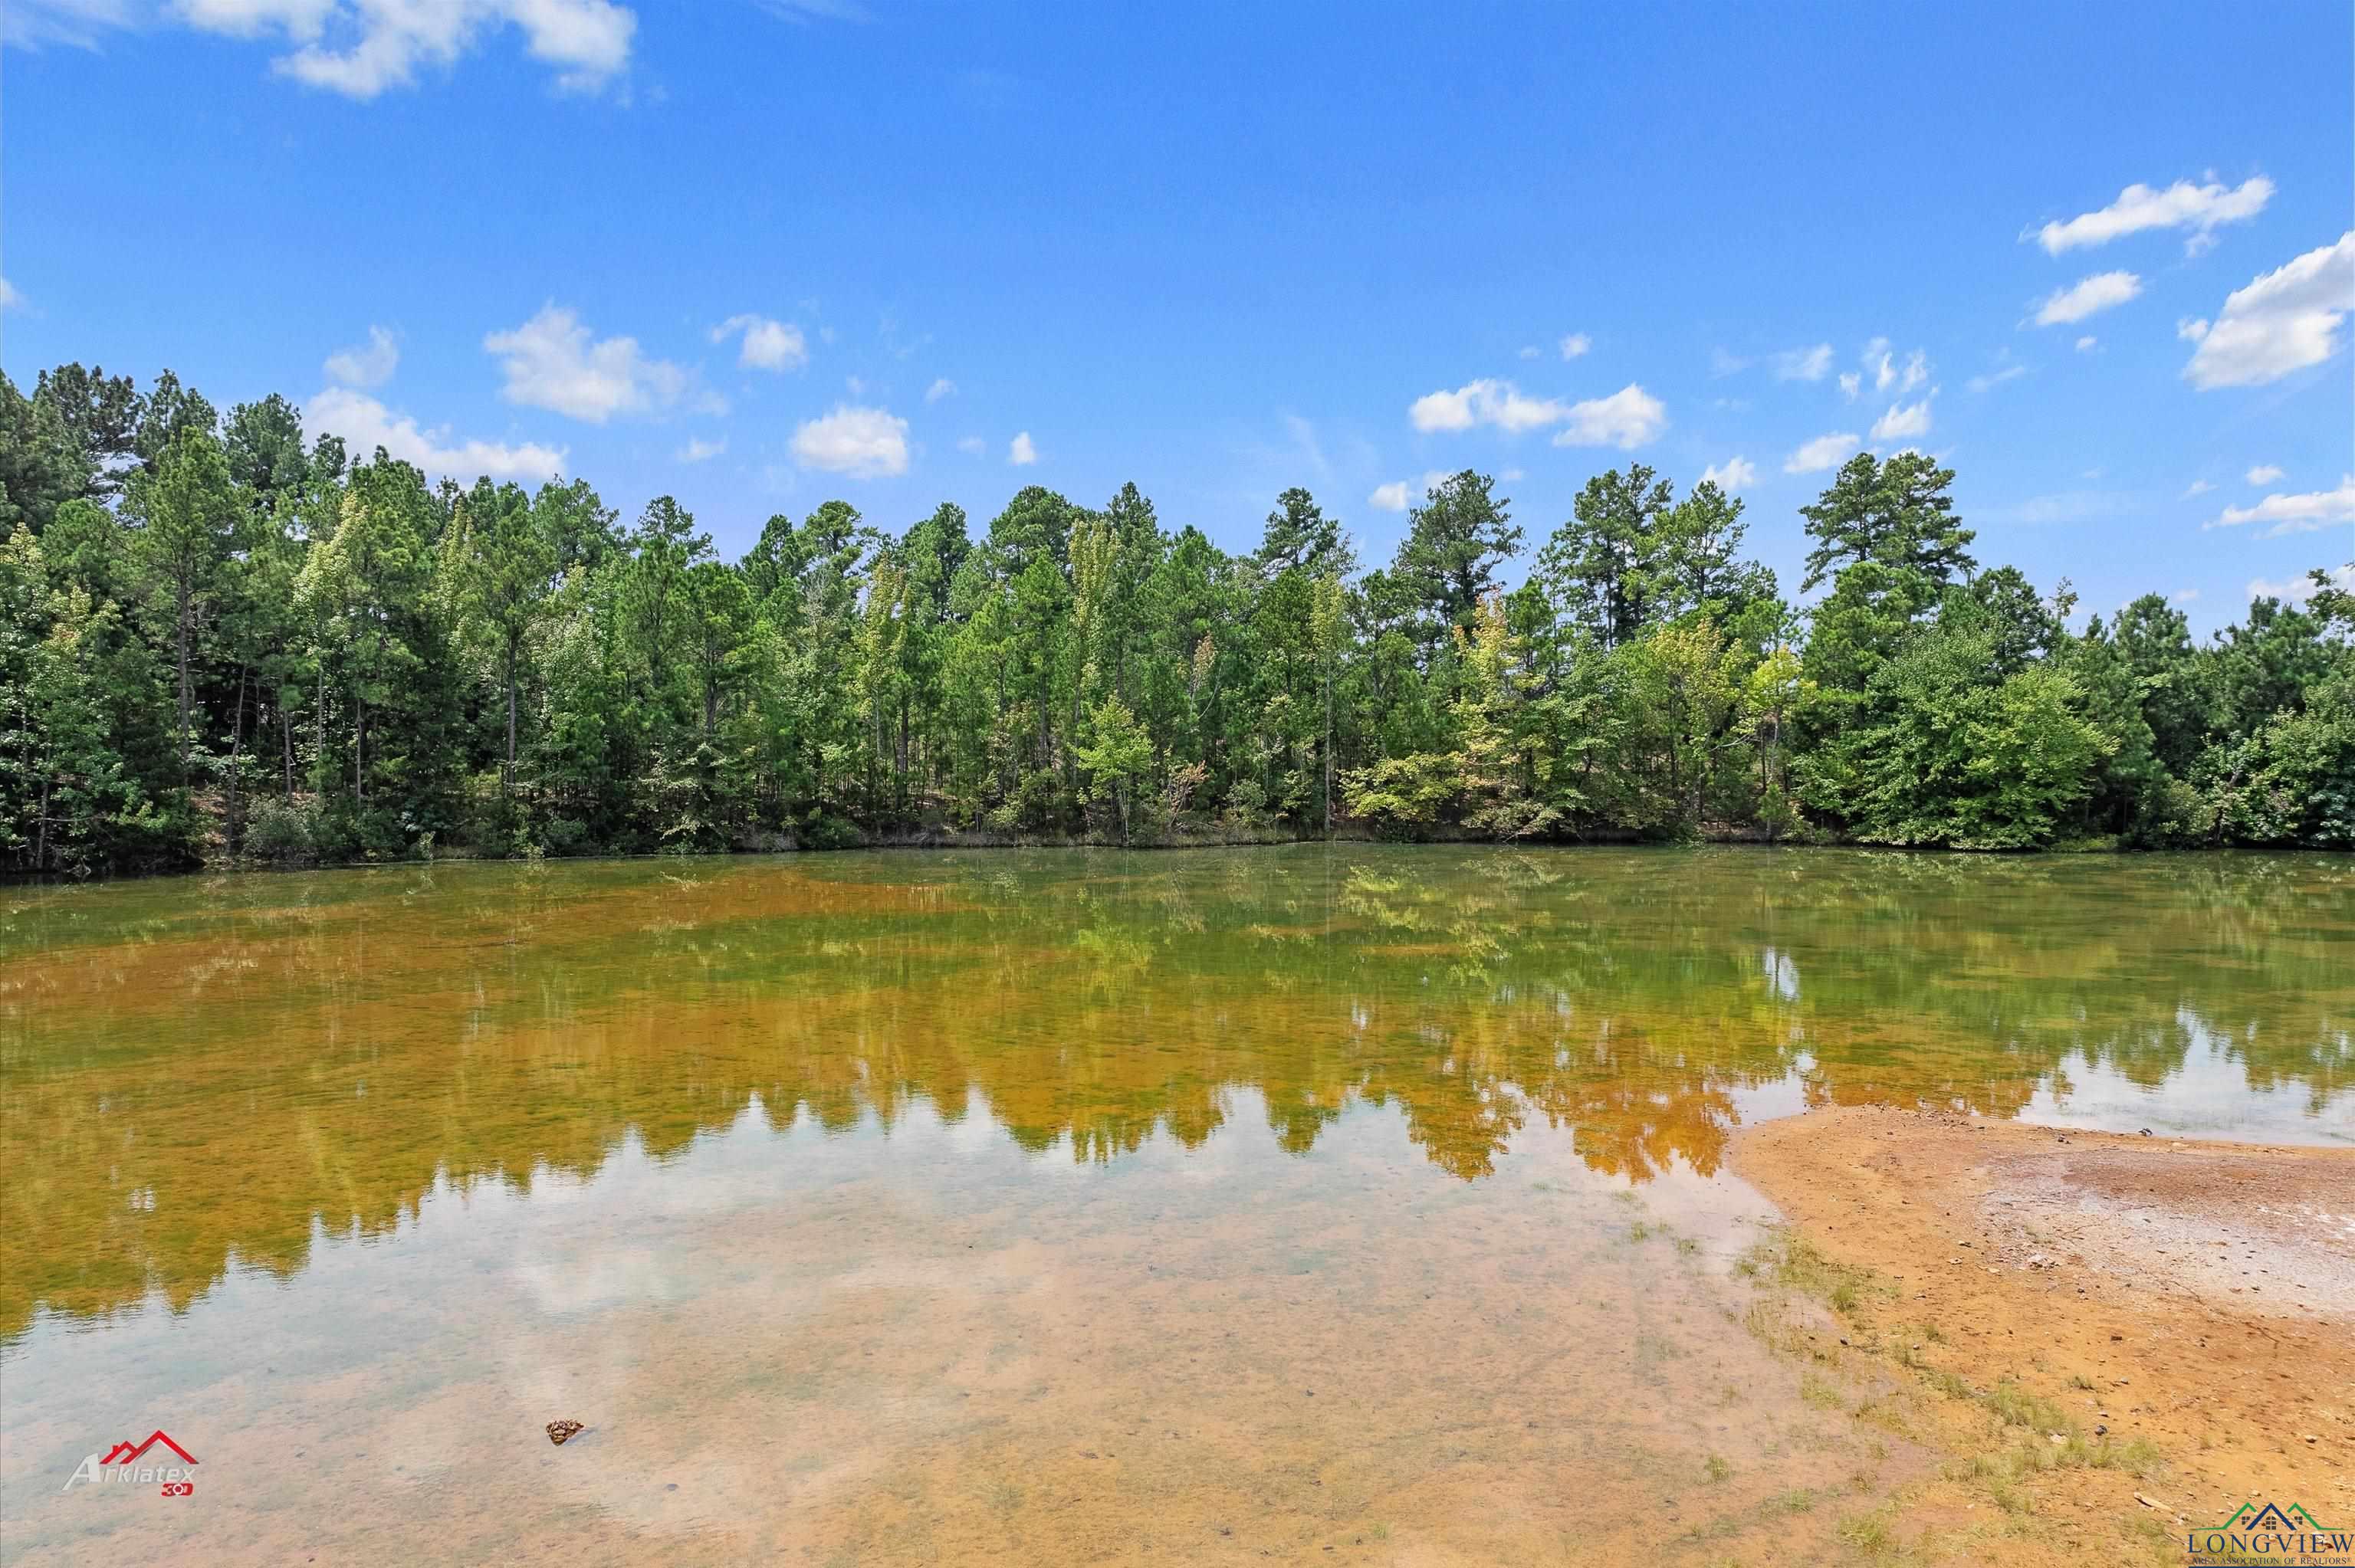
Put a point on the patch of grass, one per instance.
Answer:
(1687, 1245)
(2085, 1385)
(1715, 1467)
(1651, 1349)
(1639, 1231)
(1798, 1500)
(1819, 1391)
(1792, 1261)
(2014, 1406)
(1869, 1533)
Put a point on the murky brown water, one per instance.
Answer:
(1061, 1207)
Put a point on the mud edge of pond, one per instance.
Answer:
(2200, 1296)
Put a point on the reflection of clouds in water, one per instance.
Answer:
(522, 1028)
(2211, 1092)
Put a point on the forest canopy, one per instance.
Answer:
(224, 639)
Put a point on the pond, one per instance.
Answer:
(1351, 1203)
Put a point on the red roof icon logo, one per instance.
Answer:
(124, 1452)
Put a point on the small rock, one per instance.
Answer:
(2100, 1431)
(561, 1432)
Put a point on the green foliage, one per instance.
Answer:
(222, 641)
(1941, 754)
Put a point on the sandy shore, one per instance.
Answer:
(2199, 1297)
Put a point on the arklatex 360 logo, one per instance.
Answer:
(123, 1464)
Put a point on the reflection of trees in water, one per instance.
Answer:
(193, 1079)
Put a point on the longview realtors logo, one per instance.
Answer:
(2263, 1532)
(122, 1464)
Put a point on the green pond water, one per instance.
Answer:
(1058, 1206)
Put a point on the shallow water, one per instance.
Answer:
(1062, 1206)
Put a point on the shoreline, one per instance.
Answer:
(954, 841)
(2181, 1313)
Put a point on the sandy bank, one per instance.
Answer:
(2198, 1297)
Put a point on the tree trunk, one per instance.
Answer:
(507, 777)
(236, 769)
(184, 609)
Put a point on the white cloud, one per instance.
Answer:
(366, 365)
(10, 300)
(1804, 364)
(366, 424)
(361, 47)
(2086, 343)
(2284, 321)
(2185, 595)
(2087, 295)
(1903, 420)
(1886, 372)
(768, 345)
(698, 449)
(35, 23)
(1404, 493)
(1823, 453)
(1484, 402)
(1739, 473)
(974, 445)
(2197, 487)
(551, 363)
(865, 443)
(1020, 452)
(1576, 343)
(1627, 420)
(2294, 513)
(2298, 589)
(943, 387)
(2264, 474)
(1722, 363)
(2180, 206)
(2192, 329)
(1995, 378)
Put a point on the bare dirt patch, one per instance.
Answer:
(2180, 1316)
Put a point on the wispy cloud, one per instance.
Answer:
(2283, 321)
(2101, 292)
(2305, 513)
(2180, 206)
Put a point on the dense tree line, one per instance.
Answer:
(223, 639)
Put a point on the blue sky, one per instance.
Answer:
(760, 255)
